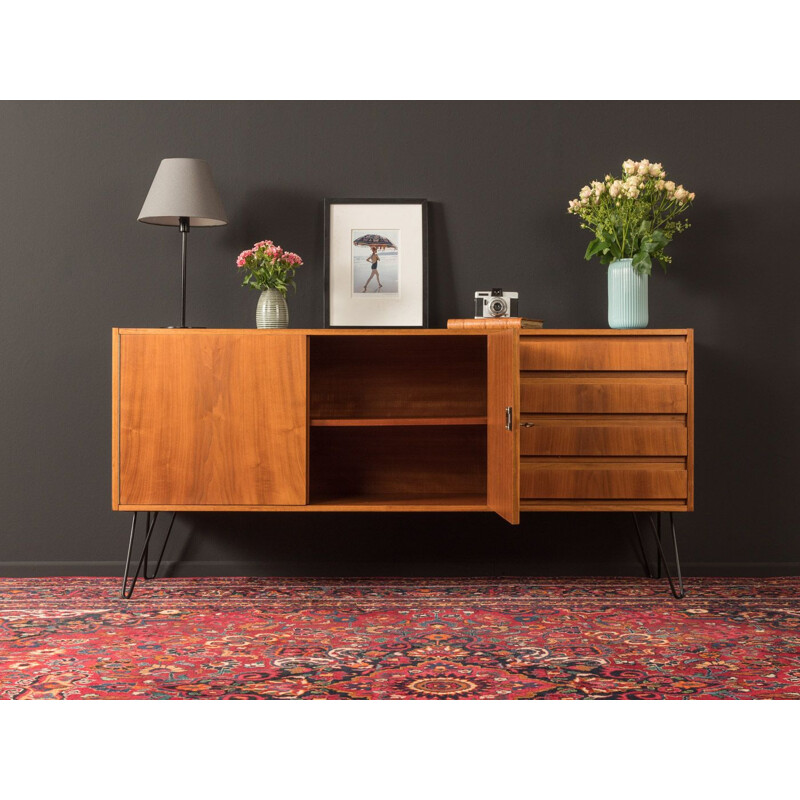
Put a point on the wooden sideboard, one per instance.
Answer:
(402, 420)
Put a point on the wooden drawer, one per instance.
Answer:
(595, 395)
(562, 436)
(599, 480)
(604, 353)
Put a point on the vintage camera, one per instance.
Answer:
(496, 303)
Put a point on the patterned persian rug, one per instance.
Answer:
(479, 638)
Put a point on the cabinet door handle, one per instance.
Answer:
(509, 418)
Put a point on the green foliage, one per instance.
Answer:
(265, 276)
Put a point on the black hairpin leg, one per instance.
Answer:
(680, 592)
(127, 591)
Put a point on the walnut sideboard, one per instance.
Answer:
(402, 420)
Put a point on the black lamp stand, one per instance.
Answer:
(184, 229)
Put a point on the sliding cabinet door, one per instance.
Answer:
(503, 424)
(211, 419)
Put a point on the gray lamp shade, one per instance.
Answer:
(183, 187)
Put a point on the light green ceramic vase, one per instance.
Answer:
(627, 296)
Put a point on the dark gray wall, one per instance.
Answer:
(75, 263)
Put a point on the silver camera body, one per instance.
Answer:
(496, 303)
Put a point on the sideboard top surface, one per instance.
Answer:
(408, 331)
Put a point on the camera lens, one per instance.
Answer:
(498, 307)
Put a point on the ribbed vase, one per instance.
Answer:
(272, 310)
(627, 296)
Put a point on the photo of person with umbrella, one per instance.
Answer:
(373, 258)
(367, 267)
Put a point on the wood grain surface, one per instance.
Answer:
(115, 419)
(604, 333)
(604, 438)
(603, 505)
(601, 397)
(610, 481)
(690, 418)
(422, 501)
(394, 377)
(503, 445)
(383, 422)
(578, 352)
(357, 465)
(402, 420)
(608, 420)
(212, 420)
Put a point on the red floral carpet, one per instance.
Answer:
(254, 638)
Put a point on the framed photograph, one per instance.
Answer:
(376, 263)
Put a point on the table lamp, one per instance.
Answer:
(183, 195)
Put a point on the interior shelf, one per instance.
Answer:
(405, 501)
(395, 421)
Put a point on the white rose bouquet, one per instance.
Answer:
(633, 216)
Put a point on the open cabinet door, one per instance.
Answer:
(503, 424)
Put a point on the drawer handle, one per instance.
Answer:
(527, 424)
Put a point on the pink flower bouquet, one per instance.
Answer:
(268, 266)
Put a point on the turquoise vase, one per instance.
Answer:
(627, 296)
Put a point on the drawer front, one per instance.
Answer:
(582, 438)
(619, 481)
(604, 353)
(545, 396)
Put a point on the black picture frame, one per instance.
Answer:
(328, 202)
